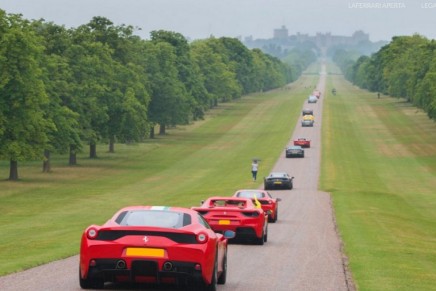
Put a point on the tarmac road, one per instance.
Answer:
(303, 251)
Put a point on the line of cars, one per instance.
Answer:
(297, 150)
(308, 120)
(181, 246)
(174, 245)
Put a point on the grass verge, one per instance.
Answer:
(379, 163)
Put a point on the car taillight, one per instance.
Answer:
(251, 214)
(92, 233)
(202, 237)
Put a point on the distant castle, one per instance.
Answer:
(321, 39)
(322, 43)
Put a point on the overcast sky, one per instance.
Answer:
(199, 19)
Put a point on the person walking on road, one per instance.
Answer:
(254, 168)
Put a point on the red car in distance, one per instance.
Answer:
(303, 142)
(154, 244)
(240, 215)
(269, 204)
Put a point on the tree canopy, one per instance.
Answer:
(404, 68)
(64, 88)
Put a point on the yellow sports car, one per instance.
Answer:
(308, 117)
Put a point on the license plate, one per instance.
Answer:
(224, 222)
(145, 252)
(277, 182)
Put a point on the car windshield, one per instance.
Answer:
(154, 218)
(250, 194)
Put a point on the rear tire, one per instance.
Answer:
(265, 236)
(90, 283)
(223, 277)
(276, 215)
(261, 240)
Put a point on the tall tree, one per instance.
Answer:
(58, 79)
(22, 94)
(188, 73)
(219, 80)
(168, 104)
(239, 56)
(128, 81)
(91, 66)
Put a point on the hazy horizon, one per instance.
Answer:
(199, 19)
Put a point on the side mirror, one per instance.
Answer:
(229, 234)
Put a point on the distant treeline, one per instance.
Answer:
(64, 88)
(404, 68)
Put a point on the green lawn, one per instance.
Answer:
(43, 215)
(379, 163)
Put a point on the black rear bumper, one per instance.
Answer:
(106, 270)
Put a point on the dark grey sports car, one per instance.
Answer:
(307, 123)
(294, 152)
(307, 111)
(278, 180)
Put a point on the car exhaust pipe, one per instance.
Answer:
(168, 266)
(120, 264)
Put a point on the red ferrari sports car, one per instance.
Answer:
(154, 244)
(269, 204)
(237, 214)
(303, 142)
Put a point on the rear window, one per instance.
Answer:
(154, 218)
(250, 194)
(227, 203)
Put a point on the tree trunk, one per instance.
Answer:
(73, 158)
(112, 144)
(162, 129)
(46, 167)
(152, 131)
(92, 151)
(13, 171)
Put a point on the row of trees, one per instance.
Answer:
(62, 88)
(404, 68)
